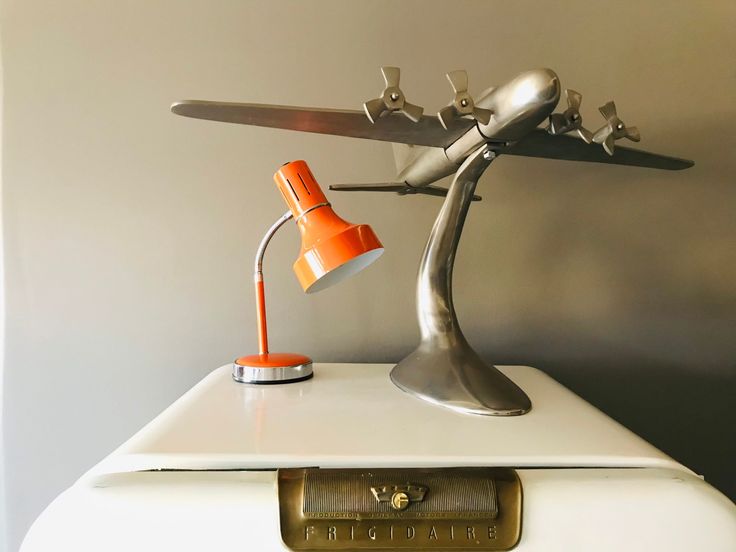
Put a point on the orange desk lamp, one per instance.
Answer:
(332, 249)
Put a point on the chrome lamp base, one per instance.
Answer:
(444, 369)
(272, 368)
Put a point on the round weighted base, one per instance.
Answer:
(272, 368)
(456, 377)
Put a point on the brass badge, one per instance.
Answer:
(399, 496)
(406, 509)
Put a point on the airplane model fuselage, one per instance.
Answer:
(517, 107)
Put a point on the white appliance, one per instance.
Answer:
(203, 474)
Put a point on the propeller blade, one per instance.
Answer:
(391, 75)
(462, 104)
(573, 98)
(602, 133)
(392, 99)
(585, 134)
(556, 123)
(413, 112)
(446, 115)
(608, 111)
(374, 109)
(481, 115)
(632, 133)
(458, 80)
(608, 144)
(570, 120)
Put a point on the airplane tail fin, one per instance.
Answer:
(400, 188)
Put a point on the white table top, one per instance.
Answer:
(352, 415)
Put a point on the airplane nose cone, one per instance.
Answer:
(522, 103)
(536, 88)
(545, 83)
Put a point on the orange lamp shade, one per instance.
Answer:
(332, 248)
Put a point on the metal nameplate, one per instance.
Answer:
(403, 509)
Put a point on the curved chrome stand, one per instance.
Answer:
(444, 369)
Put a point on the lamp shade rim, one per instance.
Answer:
(329, 259)
(345, 270)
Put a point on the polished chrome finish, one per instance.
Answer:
(393, 127)
(261, 251)
(430, 165)
(462, 104)
(614, 129)
(392, 99)
(397, 187)
(444, 369)
(520, 105)
(570, 120)
(464, 146)
(281, 374)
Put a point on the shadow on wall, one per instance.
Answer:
(687, 415)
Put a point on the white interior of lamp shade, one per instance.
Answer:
(345, 270)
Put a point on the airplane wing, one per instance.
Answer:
(393, 127)
(540, 143)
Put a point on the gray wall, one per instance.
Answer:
(129, 232)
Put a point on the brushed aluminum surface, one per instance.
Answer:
(444, 369)
(539, 143)
(394, 127)
(391, 99)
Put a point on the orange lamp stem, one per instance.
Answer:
(260, 289)
(261, 315)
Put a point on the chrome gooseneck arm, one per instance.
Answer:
(261, 251)
(444, 369)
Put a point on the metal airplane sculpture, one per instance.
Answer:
(462, 139)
